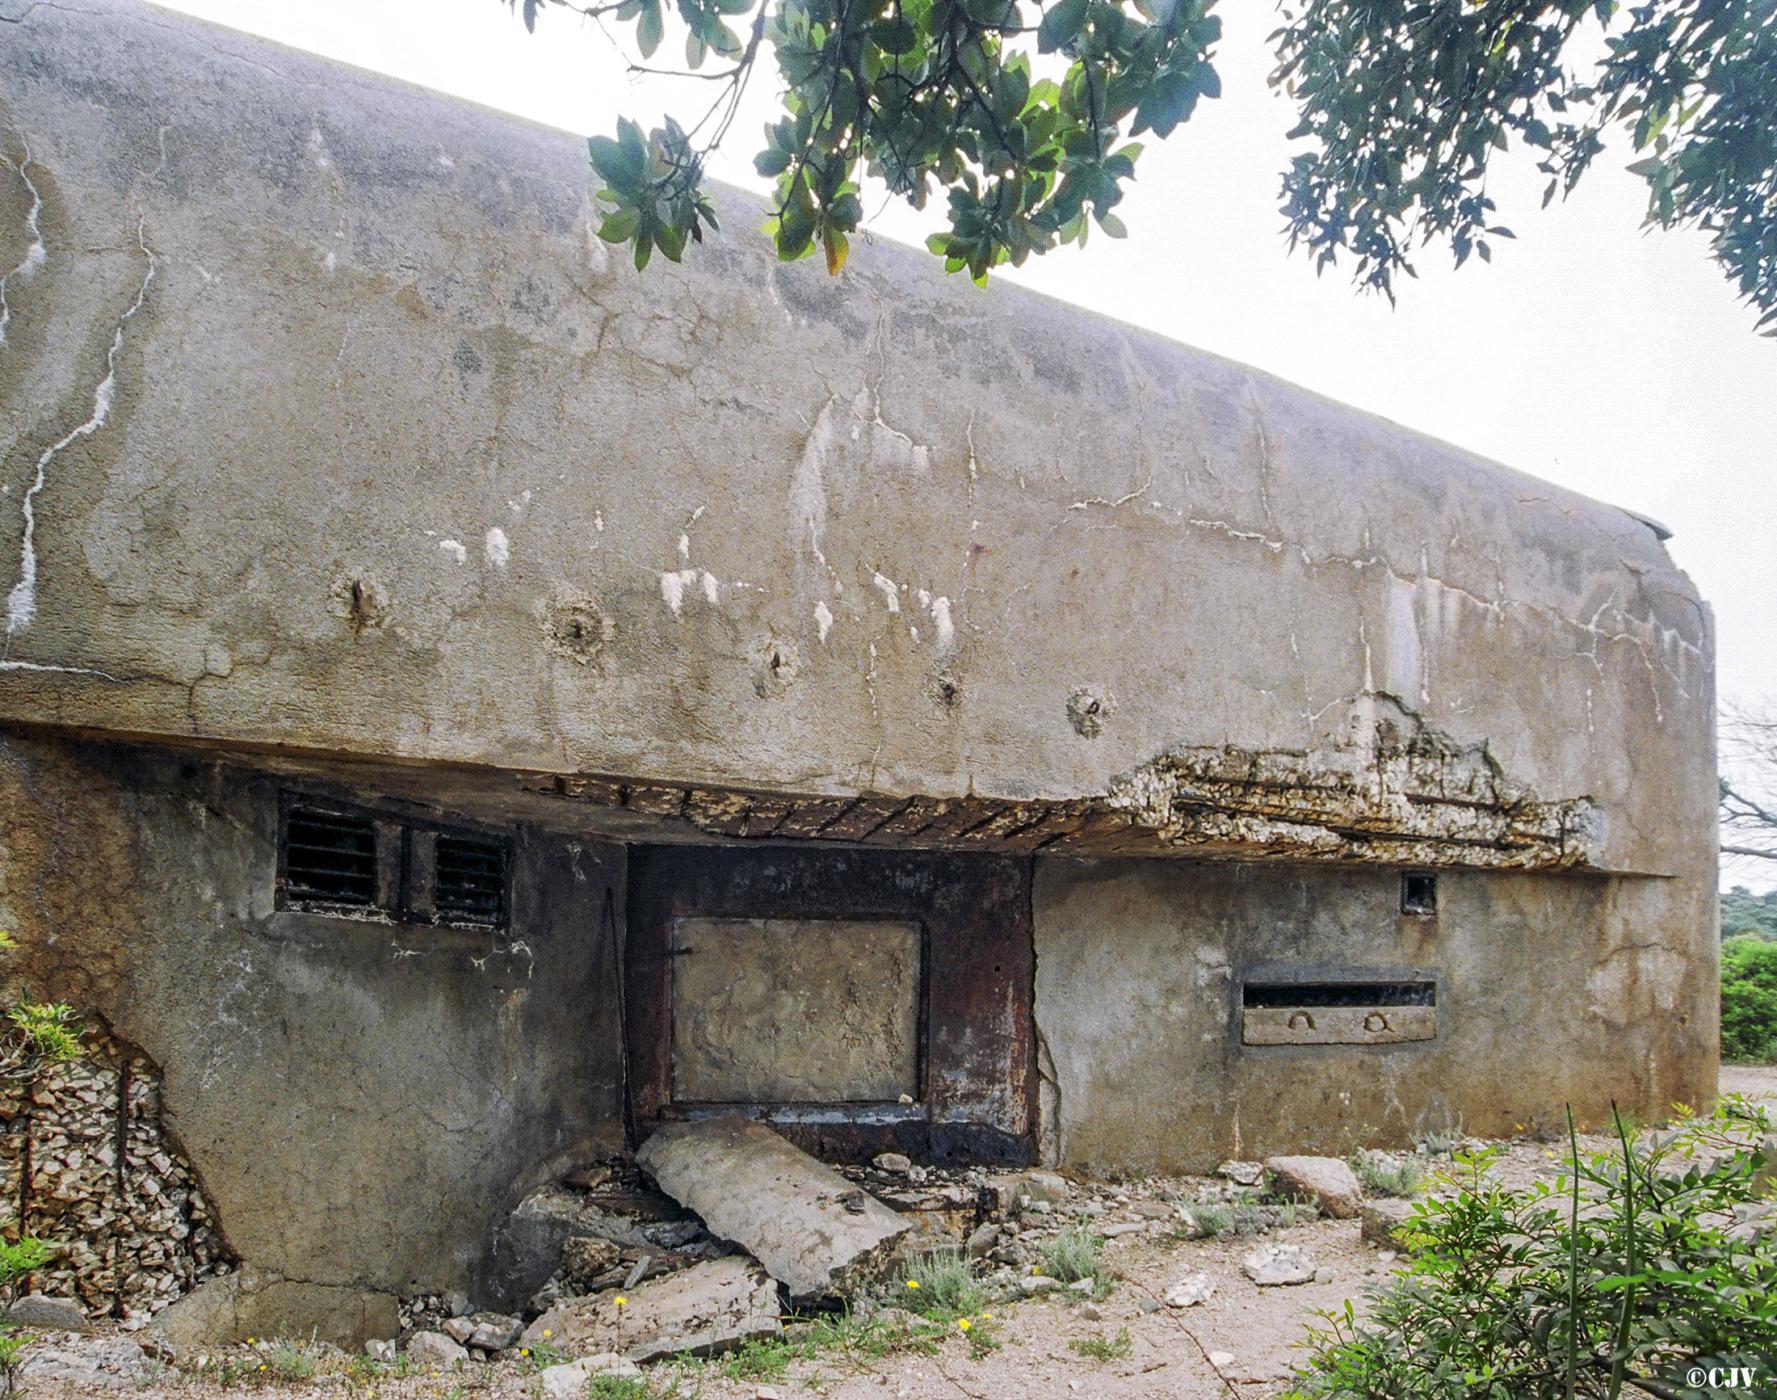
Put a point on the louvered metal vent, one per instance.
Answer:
(470, 884)
(329, 859)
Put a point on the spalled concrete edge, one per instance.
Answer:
(253, 1303)
(709, 1308)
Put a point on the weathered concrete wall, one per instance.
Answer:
(329, 424)
(362, 1101)
(1551, 990)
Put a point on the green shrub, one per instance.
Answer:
(1626, 1271)
(1749, 1000)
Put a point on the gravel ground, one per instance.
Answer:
(1167, 1351)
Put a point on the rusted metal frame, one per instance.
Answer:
(977, 970)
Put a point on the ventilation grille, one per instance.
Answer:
(470, 885)
(329, 859)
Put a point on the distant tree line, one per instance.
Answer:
(1749, 975)
(1743, 912)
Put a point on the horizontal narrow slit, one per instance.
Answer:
(1346, 993)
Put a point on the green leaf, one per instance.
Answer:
(619, 227)
(613, 160)
(1061, 25)
(671, 241)
(896, 35)
(772, 162)
(650, 29)
(845, 211)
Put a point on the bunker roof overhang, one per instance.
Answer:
(344, 438)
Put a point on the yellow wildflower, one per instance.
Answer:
(623, 1302)
(963, 1323)
(913, 1283)
(548, 1332)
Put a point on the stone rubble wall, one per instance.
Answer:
(87, 1165)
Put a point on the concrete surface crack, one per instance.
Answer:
(37, 253)
(21, 602)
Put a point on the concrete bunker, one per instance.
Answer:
(529, 731)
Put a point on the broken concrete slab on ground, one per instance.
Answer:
(700, 1311)
(1327, 1182)
(814, 1231)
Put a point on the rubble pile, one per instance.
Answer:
(720, 1227)
(83, 1149)
(606, 1226)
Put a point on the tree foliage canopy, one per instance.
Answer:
(1743, 912)
(1024, 114)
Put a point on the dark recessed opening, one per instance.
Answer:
(469, 886)
(1339, 994)
(1419, 892)
(329, 859)
(358, 863)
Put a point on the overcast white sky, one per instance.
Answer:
(1614, 362)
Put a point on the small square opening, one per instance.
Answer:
(1419, 892)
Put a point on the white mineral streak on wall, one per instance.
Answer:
(455, 549)
(941, 619)
(496, 548)
(808, 487)
(21, 603)
(823, 618)
(36, 253)
(886, 586)
(673, 585)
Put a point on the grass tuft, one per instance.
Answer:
(291, 1361)
(1102, 1348)
(1074, 1254)
(939, 1285)
(1386, 1175)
